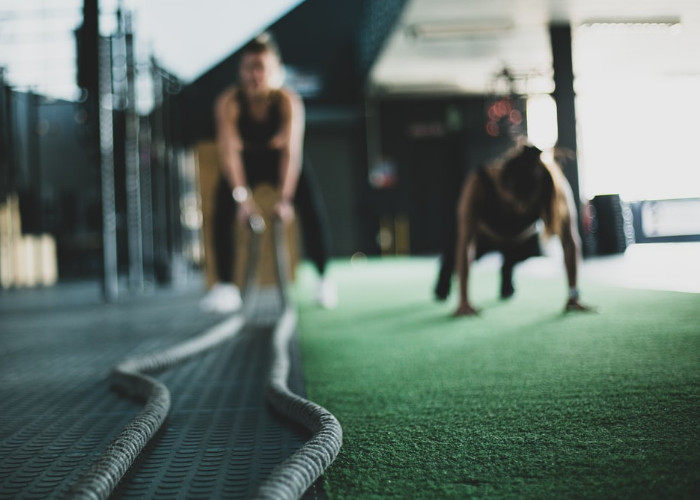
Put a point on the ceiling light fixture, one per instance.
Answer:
(634, 25)
(445, 30)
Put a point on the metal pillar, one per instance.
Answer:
(564, 96)
(109, 214)
(131, 158)
(7, 164)
(161, 243)
(146, 184)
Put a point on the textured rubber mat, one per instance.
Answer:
(220, 439)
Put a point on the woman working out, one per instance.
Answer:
(499, 210)
(260, 133)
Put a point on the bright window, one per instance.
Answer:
(639, 138)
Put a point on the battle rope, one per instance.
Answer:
(295, 475)
(131, 378)
(287, 481)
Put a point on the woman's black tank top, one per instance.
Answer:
(260, 162)
(499, 217)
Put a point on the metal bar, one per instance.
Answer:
(281, 261)
(257, 227)
(146, 187)
(110, 285)
(131, 158)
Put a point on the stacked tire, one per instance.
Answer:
(613, 231)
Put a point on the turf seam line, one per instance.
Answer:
(130, 377)
(296, 474)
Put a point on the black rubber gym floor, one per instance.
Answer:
(57, 346)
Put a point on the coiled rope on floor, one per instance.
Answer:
(131, 377)
(290, 479)
(295, 475)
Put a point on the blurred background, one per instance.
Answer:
(104, 105)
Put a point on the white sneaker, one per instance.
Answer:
(327, 294)
(222, 298)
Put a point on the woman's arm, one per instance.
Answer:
(466, 231)
(228, 139)
(571, 244)
(290, 141)
(230, 147)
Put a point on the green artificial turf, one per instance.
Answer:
(520, 402)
